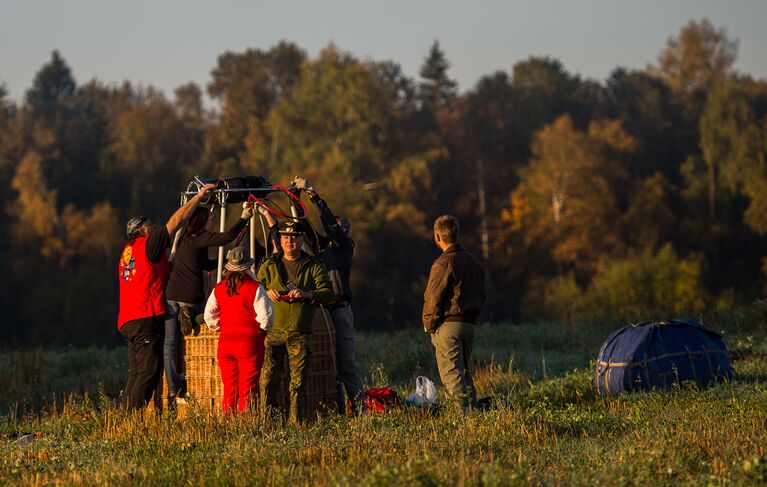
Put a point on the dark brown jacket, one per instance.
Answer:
(456, 289)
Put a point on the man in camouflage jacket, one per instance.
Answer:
(295, 282)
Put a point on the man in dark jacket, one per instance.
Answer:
(336, 249)
(452, 302)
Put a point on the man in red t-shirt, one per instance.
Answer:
(143, 275)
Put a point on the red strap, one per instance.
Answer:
(285, 190)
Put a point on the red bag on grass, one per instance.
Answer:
(381, 400)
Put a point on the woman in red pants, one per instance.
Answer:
(239, 309)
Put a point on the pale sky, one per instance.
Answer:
(167, 43)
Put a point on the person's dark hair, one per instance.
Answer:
(234, 280)
(446, 226)
(196, 224)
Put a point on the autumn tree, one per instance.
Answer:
(578, 193)
(10, 145)
(566, 200)
(650, 219)
(698, 57)
(36, 218)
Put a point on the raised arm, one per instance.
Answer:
(328, 220)
(183, 213)
(273, 235)
(214, 239)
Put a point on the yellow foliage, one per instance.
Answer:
(79, 226)
(35, 207)
(566, 198)
(95, 232)
(697, 57)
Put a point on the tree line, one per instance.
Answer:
(644, 195)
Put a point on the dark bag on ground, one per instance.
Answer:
(658, 355)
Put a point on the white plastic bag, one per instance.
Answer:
(425, 392)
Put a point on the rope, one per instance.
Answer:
(281, 213)
(333, 338)
(294, 197)
(254, 198)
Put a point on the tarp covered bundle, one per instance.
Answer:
(659, 354)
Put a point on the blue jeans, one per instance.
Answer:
(172, 346)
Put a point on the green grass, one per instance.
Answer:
(555, 430)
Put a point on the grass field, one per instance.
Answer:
(555, 430)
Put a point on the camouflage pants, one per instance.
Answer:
(297, 346)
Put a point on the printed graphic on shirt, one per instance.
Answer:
(127, 263)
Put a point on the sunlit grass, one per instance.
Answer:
(550, 428)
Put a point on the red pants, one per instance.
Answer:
(240, 363)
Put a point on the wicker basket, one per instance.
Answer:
(203, 377)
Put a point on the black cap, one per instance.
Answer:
(291, 228)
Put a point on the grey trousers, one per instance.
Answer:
(453, 342)
(348, 378)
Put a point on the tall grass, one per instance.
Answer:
(552, 429)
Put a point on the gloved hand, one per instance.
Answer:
(262, 210)
(303, 183)
(247, 210)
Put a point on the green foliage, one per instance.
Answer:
(650, 113)
(648, 284)
(754, 165)
(436, 89)
(249, 84)
(649, 218)
(52, 87)
(660, 283)
(546, 90)
(723, 124)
